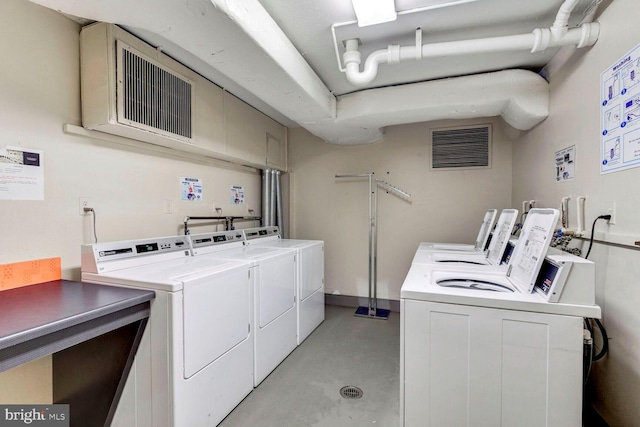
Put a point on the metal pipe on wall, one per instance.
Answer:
(272, 198)
(266, 185)
(279, 221)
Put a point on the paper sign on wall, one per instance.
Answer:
(21, 174)
(237, 195)
(620, 108)
(566, 164)
(191, 189)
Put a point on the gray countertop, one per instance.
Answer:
(48, 317)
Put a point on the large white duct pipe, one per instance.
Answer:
(521, 97)
(537, 41)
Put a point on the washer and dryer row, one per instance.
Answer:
(491, 345)
(225, 315)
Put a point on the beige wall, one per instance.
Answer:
(445, 206)
(40, 92)
(39, 83)
(575, 119)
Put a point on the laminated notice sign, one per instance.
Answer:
(620, 114)
(191, 189)
(237, 195)
(21, 174)
(566, 164)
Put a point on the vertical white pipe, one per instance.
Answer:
(580, 210)
(564, 211)
(266, 175)
(279, 201)
(272, 199)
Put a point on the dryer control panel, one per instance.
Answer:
(566, 278)
(217, 238)
(109, 256)
(261, 232)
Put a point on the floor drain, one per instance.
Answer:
(351, 392)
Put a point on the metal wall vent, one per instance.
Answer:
(351, 392)
(152, 96)
(468, 147)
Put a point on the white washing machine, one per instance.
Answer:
(493, 256)
(481, 240)
(483, 349)
(274, 295)
(309, 277)
(195, 361)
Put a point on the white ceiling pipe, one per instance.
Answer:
(537, 41)
(562, 18)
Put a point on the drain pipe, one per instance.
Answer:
(272, 198)
(539, 40)
(279, 221)
(266, 191)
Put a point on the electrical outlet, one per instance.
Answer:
(611, 210)
(168, 206)
(85, 203)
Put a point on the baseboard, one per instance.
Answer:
(355, 302)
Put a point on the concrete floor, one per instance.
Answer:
(305, 389)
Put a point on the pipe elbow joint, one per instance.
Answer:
(357, 78)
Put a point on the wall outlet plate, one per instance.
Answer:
(84, 203)
(611, 210)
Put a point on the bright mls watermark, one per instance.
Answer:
(34, 415)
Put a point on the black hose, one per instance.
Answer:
(593, 227)
(605, 342)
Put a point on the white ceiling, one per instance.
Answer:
(280, 55)
(307, 23)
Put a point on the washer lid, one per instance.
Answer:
(501, 235)
(251, 253)
(286, 243)
(169, 275)
(485, 229)
(531, 249)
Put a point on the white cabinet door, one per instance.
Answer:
(477, 366)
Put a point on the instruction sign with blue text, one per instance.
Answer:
(237, 195)
(191, 189)
(620, 108)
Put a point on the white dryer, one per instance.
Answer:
(493, 256)
(195, 360)
(309, 277)
(274, 295)
(481, 240)
(481, 347)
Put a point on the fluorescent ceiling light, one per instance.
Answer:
(371, 12)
